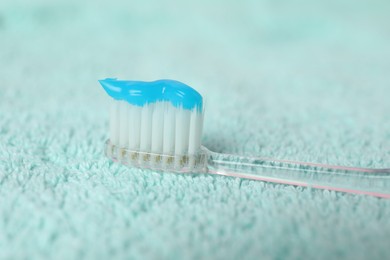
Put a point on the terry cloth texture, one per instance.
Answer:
(301, 80)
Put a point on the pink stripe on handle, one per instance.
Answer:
(302, 184)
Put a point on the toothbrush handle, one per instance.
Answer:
(374, 182)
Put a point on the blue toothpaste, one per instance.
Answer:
(140, 93)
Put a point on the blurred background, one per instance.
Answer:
(300, 80)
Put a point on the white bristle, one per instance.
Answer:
(114, 122)
(182, 131)
(134, 127)
(169, 129)
(146, 128)
(123, 123)
(157, 128)
(196, 125)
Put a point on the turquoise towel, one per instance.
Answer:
(300, 80)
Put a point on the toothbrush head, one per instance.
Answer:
(156, 125)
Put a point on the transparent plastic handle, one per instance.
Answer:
(374, 182)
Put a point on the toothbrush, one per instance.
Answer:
(158, 125)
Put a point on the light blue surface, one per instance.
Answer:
(140, 93)
(300, 80)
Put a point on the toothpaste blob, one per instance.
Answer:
(139, 93)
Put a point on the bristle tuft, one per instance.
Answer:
(157, 128)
